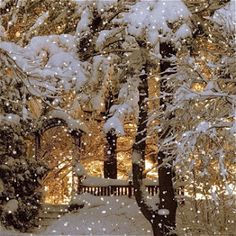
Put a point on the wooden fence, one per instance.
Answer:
(126, 190)
(116, 190)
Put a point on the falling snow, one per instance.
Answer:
(117, 117)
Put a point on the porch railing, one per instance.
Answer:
(116, 190)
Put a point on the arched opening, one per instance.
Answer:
(58, 146)
(58, 152)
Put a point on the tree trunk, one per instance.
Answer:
(159, 223)
(76, 188)
(156, 230)
(166, 173)
(110, 162)
(138, 162)
(167, 194)
(139, 147)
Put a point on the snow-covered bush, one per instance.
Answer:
(20, 181)
(20, 176)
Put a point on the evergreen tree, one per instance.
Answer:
(20, 176)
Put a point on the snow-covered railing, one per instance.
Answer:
(117, 187)
(116, 190)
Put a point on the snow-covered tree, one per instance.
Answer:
(147, 33)
(135, 37)
(205, 104)
(20, 176)
(21, 19)
(104, 70)
(41, 79)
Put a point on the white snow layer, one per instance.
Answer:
(100, 6)
(40, 21)
(104, 37)
(184, 31)
(3, 3)
(50, 59)
(203, 126)
(85, 9)
(114, 123)
(4, 232)
(151, 18)
(226, 16)
(2, 31)
(11, 119)
(74, 124)
(84, 22)
(97, 181)
(102, 216)
(11, 206)
(79, 170)
(128, 99)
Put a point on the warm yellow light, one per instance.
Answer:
(198, 87)
(148, 164)
(17, 34)
(151, 169)
(58, 196)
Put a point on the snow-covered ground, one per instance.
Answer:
(121, 216)
(100, 216)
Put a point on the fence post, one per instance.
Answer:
(130, 189)
(112, 189)
(80, 186)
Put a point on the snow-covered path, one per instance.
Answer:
(100, 216)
